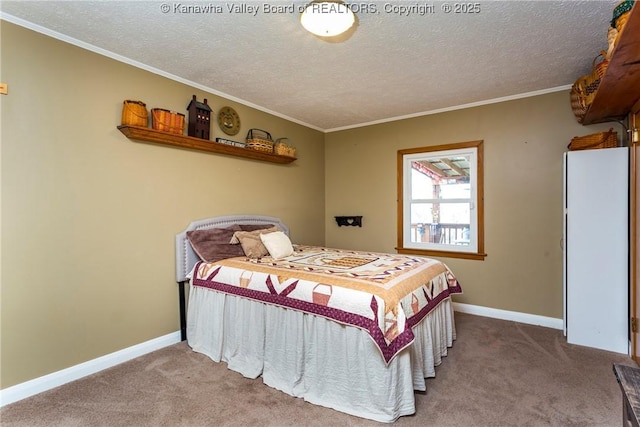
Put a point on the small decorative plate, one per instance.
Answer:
(229, 121)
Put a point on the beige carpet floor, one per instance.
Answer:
(498, 373)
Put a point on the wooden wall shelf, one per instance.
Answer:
(175, 140)
(619, 88)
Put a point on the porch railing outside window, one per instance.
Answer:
(447, 234)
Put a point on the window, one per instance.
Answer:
(440, 201)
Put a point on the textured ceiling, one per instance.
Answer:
(391, 65)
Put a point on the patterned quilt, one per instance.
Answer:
(384, 294)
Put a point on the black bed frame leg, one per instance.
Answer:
(183, 312)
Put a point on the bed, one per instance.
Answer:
(354, 331)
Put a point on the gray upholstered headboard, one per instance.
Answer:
(186, 258)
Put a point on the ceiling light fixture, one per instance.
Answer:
(327, 18)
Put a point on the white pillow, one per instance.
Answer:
(278, 244)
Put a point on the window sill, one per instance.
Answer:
(444, 254)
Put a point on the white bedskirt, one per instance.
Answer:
(319, 360)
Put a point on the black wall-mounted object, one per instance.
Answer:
(349, 220)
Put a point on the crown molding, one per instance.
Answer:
(88, 46)
(62, 37)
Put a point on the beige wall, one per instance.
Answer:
(523, 145)
(89, 217)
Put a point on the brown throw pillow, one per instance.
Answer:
(213, 244)
(254, 227)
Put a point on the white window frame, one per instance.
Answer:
(475, 248)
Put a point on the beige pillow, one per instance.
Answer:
(278, 244)
(251, 243)
(235, 238)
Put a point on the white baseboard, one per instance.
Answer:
(530, 319)
(48, 382)
(55, 379)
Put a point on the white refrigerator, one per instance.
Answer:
(596, 248)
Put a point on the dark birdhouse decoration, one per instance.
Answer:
(199, 119)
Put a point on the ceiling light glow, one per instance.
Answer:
(327, 18)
